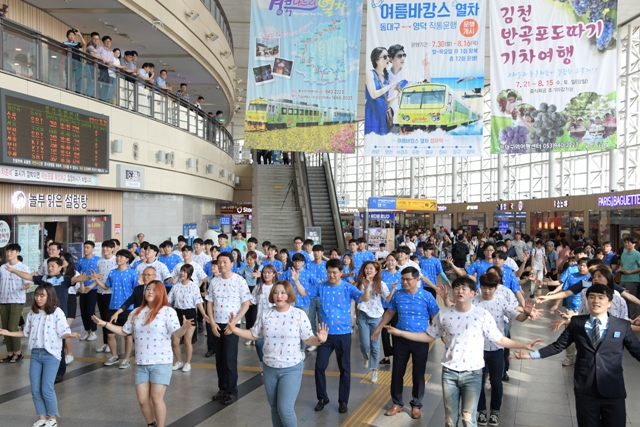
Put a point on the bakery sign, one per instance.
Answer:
(244, 208)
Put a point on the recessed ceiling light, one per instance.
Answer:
(18, 49)
(53, 56)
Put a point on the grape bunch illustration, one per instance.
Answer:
(548, 124)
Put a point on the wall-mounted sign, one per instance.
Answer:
(616, 201)
(520, 205)
(344, 199)
(128, 176)
(472, 207)
(5, 234)
(442, 208)
(559, 204)
(505, 206)
(380, 216)
(313, 233)
(390, 204)
(225, 220)
(244, 208)
(349, 210)
(19, 200)
(14, 173)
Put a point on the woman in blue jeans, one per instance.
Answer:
(370, 313)
(46, 326)
(282, 328)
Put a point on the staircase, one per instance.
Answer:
(321, 206)
(274, 218)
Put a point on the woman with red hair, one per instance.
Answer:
(152, 324)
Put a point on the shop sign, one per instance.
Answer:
(47, 177)
(117, 229)
(505, 206)
(236, 208)
(344, 199)
(313, 233)
(442, 208)
(379, 216)
(472, 207)
(503, 226)
(619, 201)
(349, 210)
(560, 204)
(5, 234)
(225, 220)
(53, 200)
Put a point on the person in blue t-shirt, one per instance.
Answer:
(169, 259)
(415, 307)
(298, 242)
(478, 268)
(272, 252)
(355, 256)
(122, 281)
(390, 276)
(335, 297)
(430, 266)
(317, 271)
(222, 241)
(88, 300)
(364, 253)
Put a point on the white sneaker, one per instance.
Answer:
(248, 343)
(68, 359)
(111, 361)
(374, 376)
(177, 365)
(51, 422)
(103, 349)
(312, 348)
(304, 356)
(125, 364)
(40, 423)
(84, 336)
(187, 367)
(365, 363)
(92, 336)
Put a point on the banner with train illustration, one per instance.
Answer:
(303, 73)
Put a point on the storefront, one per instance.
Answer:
(617, 216)
(557, 215)
(67, 215)
(443, 218)
(472, 219)
(510, 216)
(236, 216)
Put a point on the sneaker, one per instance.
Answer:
(568, 361)
(304, 356)
(482, 419)
(68, 359)
(248, 343)
(385, 361)
(187, 367)
(112, 361)
(365, 363)
(92, 336)
(312, 348)
(85, 336)
(40, 423)
(51, 422)
(374, 376)
(493, 420)
(103, 349)
(125, 364)
(177, 365)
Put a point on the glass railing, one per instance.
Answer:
(31, 55)
(221, 18)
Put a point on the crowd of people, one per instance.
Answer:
(311, 299)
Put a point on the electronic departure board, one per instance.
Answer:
(45, 134)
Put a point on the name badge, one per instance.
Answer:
(616, 334)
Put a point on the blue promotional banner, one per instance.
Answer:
(553, 76)
(302, 84)
(424, 78)
(382, 203)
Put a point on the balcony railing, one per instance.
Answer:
(31, 55)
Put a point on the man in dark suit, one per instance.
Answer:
(600, 341)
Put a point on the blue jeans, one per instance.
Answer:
(42, 373)
(314, 314)
(370, 349)
(461, 391)
(494, 366)
(303, 346)
(282, 386)
(259, 346)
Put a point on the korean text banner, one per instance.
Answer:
(424, 78)
(553, 76)
(302, 84)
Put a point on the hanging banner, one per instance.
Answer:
(424, 78)
(553, 76)
(302, 84)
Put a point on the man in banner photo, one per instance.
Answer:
(302, 85)
(553, 76)
(424, 80)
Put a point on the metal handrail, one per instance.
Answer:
(333, 199)
(81, 73)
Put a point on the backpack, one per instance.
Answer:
(458, 251)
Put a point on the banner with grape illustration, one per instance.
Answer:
(553, 75)
(424, 79)
(302, 84)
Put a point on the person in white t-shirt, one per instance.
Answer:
(283, 358)
(13, 295)
(153, 324)
(370, 313)
(46, 327)
(539, 265)
(464, 329)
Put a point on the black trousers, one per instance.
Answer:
(402, 350)
(211, 345)
(226, 361)
(105, 314)
(342, 346)
(387, 348)
(593, 411)
(251, 316)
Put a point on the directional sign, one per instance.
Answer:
(385, 203)
(427, 205)
(380, 216)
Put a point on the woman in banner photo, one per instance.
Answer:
(377, 86)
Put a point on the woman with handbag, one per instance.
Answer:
(377, 113)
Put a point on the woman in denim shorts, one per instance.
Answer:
(152, 324)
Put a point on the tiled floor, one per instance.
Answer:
(539, 393)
